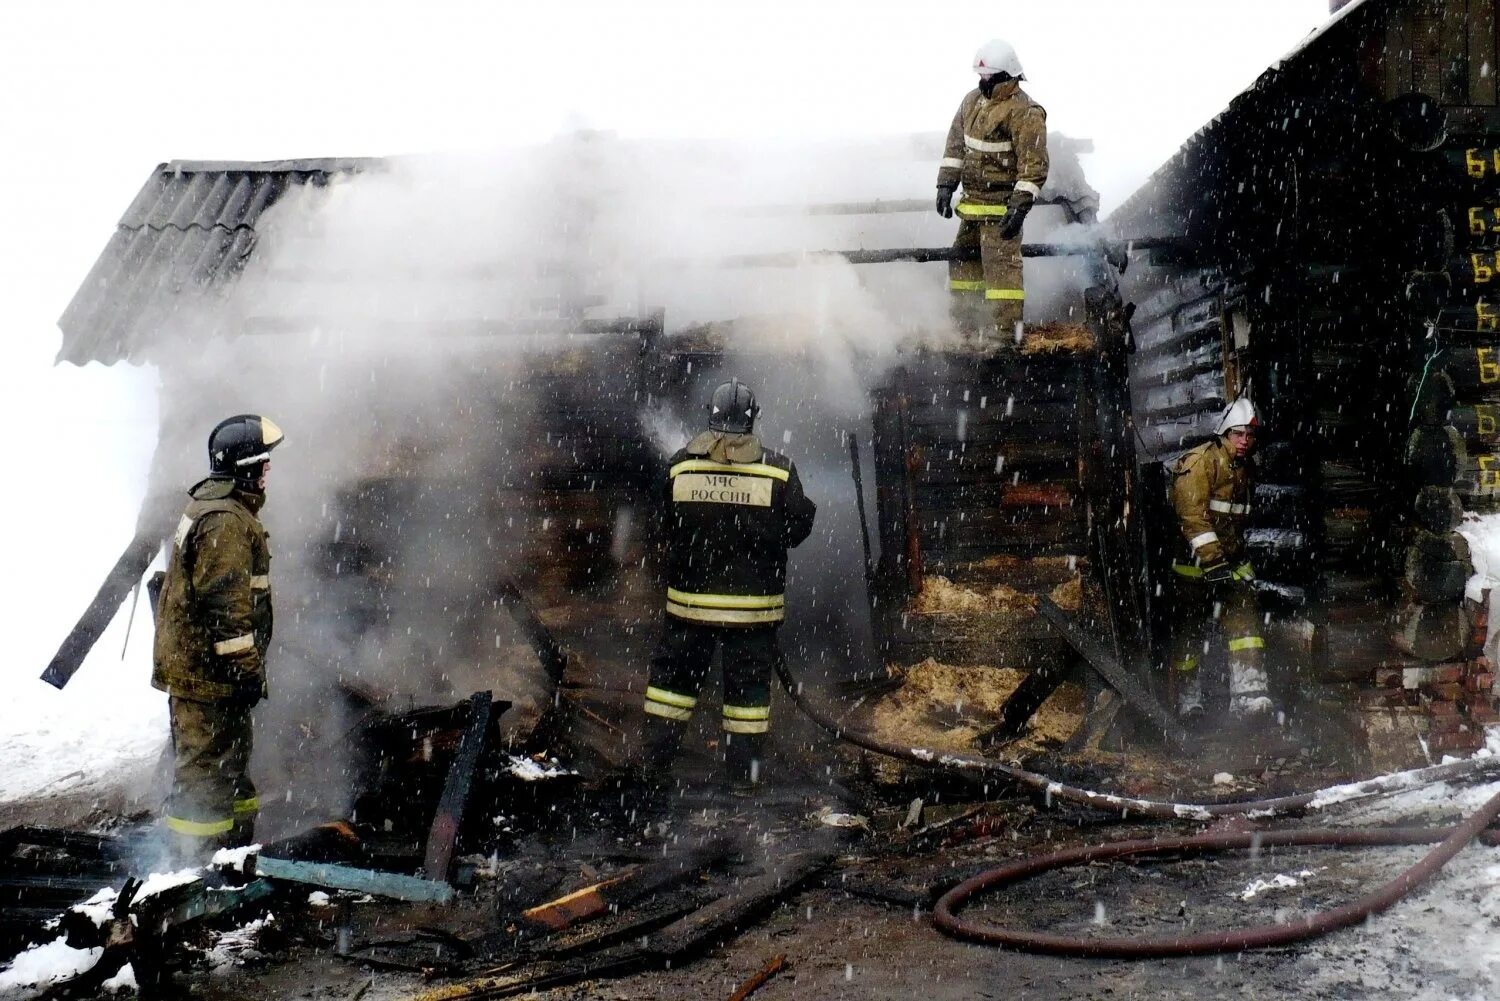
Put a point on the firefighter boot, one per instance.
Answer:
(1247, 689)
(1189, 692)
(660, 741)
(744, 754)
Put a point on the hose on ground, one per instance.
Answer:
(1452, 839)
(1128, 806)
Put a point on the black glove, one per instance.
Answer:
(1015, 214)
(1218, 573)
(945, 202)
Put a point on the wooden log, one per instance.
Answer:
(1103, 662)
(630, 886)
(122, 577)
(443, 837)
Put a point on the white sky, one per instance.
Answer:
(93, 95)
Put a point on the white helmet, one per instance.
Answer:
(1239, 414)
(997, 56)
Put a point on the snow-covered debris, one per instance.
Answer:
(99, 908)
(159, 882)
(530, 770)
(1223, 779)
(46, 964)
(318, 898)
(122, 981)
(233, 858)
(234, 947)
(1280, 881)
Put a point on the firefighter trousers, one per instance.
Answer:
(1196, 606)
(678, 670)
(987, 295)
(213, 802)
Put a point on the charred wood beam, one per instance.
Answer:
(550, 652)
(1103, 661)
(912, 255)
(330, 876)
(443, 837)
(125, 574)
(626, 888)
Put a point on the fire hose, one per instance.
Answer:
(1450, 842)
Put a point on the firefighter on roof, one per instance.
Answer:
(213, 625)
(997, 150)
(734, 509)
(1210, 491)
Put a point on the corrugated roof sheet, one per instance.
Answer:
(185, 237)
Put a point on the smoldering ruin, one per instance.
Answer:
(482, 365)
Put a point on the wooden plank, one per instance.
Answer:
(1104, 663)
(395, 885)
(1397, 56)
(443, 836)
(123, 576)
(1453, 44)
(1481, 65)
(1426, 44)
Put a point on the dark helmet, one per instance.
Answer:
(239, 446)
(732, 408)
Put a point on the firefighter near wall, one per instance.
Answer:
(213, 628)
(734, 508)
(1213, 579)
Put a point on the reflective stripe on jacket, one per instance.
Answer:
(1211, 495)
(730, 524)
(996, 145)
(214, 616)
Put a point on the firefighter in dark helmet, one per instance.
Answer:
(734, 508)
(213, 626)
(1211, 488)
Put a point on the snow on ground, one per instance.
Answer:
(42, 965)
(82, 445)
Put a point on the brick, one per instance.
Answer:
(1480, 663)
(1450, 692)
(1447, 724)
(1482, 681)
(1483, 714)
(1446, 674)
(1443, 742)
(1443, 708)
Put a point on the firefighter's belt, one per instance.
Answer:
(1242, 572)
(974, 210)
(726, 609)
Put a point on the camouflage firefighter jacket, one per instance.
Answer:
(996, 145)
(213, 620)
(1211, 495)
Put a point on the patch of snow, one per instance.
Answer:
(42, 965)
(122, 981)
(531, 770)
(1280, 881)
(233, 858)
(1223, 779)
(100, 907)
(318, 898)
(159, 882)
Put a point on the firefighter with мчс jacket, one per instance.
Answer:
(212, 630)
(734, 509)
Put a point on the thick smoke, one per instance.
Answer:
(410, 327)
